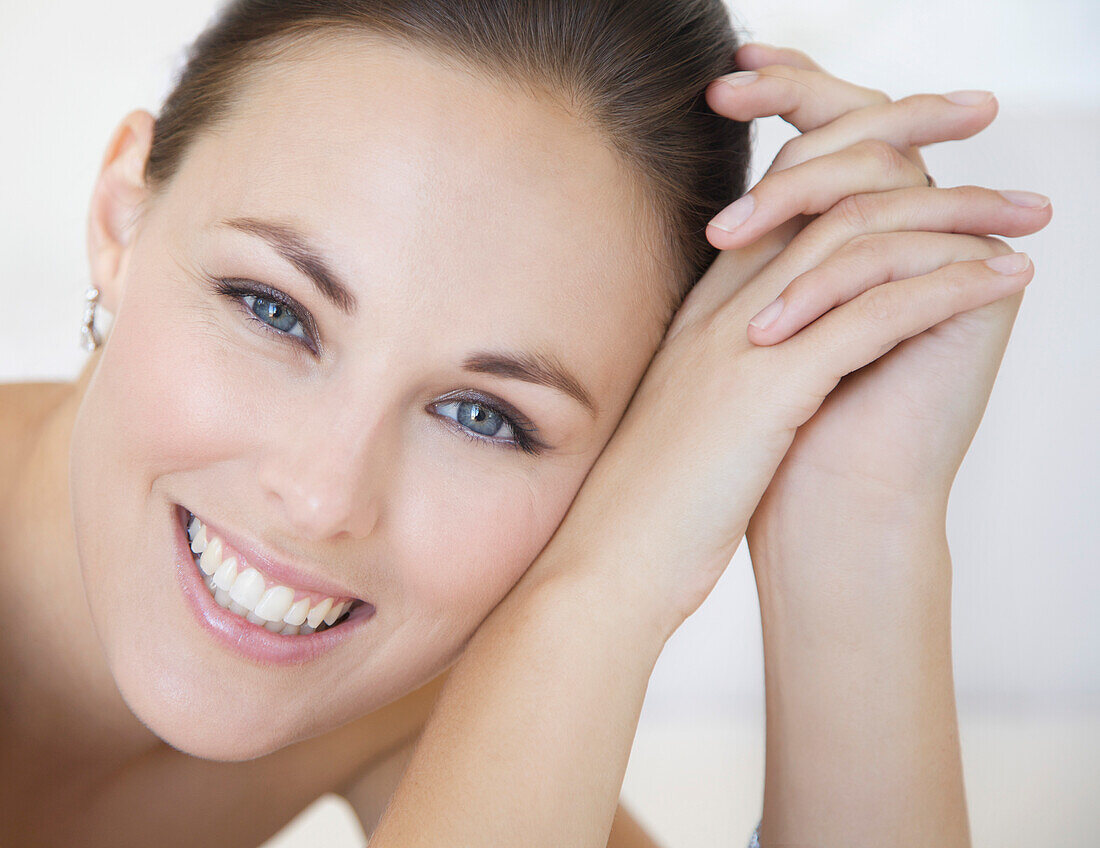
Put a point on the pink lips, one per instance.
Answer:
(271, 568)
(241, 636)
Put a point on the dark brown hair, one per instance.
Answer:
(636, 70)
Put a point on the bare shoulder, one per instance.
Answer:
(23, 407)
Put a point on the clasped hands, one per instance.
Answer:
(862, 394)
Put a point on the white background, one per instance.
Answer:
(1021, 524)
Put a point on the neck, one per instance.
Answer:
(66, 708)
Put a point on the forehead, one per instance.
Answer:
(427, 183)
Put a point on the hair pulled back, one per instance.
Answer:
(635, 70)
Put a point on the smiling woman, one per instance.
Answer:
(419, 359)
(362, 247)
(329, 286)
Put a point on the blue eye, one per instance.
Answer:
(280, 315)
(276, 314)
(477, 416)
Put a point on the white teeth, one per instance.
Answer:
(211, 557)
(198, 542)
(336, 611)
(275, 603)
(248, 588)
(317, 613)
(297, 613)
(243, 590)
(226, 574)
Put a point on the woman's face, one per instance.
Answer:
(348, 442)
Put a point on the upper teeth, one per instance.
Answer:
(246, 592)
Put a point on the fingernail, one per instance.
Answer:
(768, 314)
(1010, 263)
(969, 97)
(734, 215)
(1027, 198)
(740, 78)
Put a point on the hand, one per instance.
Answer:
(809, 102)
(889, 440)
(820, 106)
(670, 497)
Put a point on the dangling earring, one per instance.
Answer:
(89, 338)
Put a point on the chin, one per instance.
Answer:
(231, 727)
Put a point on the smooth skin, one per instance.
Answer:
(846, 766)
(848, 542)
(346, 751)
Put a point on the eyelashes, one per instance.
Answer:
(275, 305)
(279, 314)
(520, 427)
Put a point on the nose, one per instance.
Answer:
(325, 474)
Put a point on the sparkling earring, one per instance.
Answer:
(89, 338)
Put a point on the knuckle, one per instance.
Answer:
(876, 304)
(912, 99)
(857, 212)
(883, 154)
(806, 280)
(865, 249)
(958, 277)
(968, 193)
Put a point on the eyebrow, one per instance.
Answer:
(539, 368)
(293, 247)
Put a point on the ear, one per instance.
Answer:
(117, 204)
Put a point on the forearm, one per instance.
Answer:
(862, 734)
(529, 740)
(370, 793)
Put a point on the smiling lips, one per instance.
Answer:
(244, 590)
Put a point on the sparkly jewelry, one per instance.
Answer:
(89, 338)
(754, 841)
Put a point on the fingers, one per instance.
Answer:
(867, 327)
(806, 99)
(867, 240)
(866, 261)
(812, 187)
(916, 120)
(971, 209)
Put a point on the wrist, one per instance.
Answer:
(822, 506)
(601, 601)
(841, 555)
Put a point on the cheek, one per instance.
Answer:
(168, 394)
(164, 400)
(470, 543)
